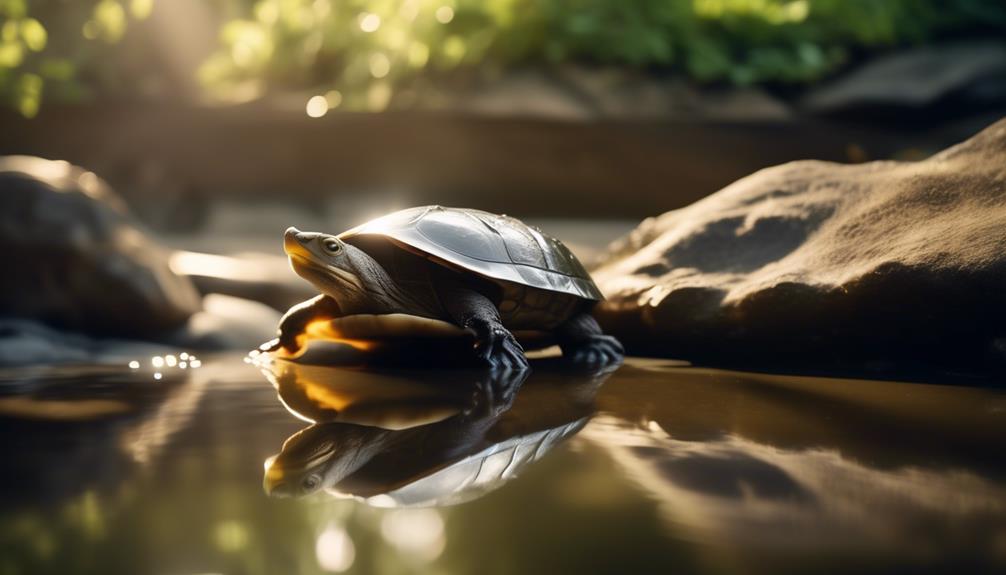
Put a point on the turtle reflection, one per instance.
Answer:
(391, 441)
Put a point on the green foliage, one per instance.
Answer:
(373, 51)
(28, 64)
(369, 54)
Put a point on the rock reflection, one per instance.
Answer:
(84, 407)
(789, 465)
(737, 493)
(391, 441)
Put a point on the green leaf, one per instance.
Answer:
(29, 94)
(140, 9)
(111, 19)
(11, 54)
(34, 34)
(13, 9)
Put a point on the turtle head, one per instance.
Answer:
(341, 271)
(320, 456)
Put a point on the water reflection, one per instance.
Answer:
(794, 465)
(734, 492)
(391, 440)
(112, 417)
(676, 469)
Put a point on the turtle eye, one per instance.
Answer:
(332, 245)
(310, 482)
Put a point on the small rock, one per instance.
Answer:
(811, 261)
(918, 77)
(76, 258)
(225, 323)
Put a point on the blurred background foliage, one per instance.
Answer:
(45, 44)
(371, 54)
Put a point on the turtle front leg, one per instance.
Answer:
(293, 324)
(583, 342)
(494, 344)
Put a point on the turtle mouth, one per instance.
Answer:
(314, 269)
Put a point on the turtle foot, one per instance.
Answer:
(498, 349)
(594, 351)
(494, 393)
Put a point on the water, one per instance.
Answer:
(655, 468)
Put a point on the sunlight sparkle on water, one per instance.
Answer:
(231, 535)
(334, 98)
(334, 549)
(379, 65)
(317, 106)
(166, 362)
(419, 532)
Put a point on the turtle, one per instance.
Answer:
(437, 268)
(440, 464)
(388, 439)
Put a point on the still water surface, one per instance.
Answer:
(653, 468)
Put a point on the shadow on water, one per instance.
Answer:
(653, 467)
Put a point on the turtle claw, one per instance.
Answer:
(498, 349)
(495, 393)
(597, 350)
(285, 344)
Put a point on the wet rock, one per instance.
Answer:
(77, 260)
(224, 323)
(26, 342)
(815, 261)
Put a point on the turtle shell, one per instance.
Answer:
(497, 247)
(469, 477)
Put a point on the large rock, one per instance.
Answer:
(77, 261)
(811, 261)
